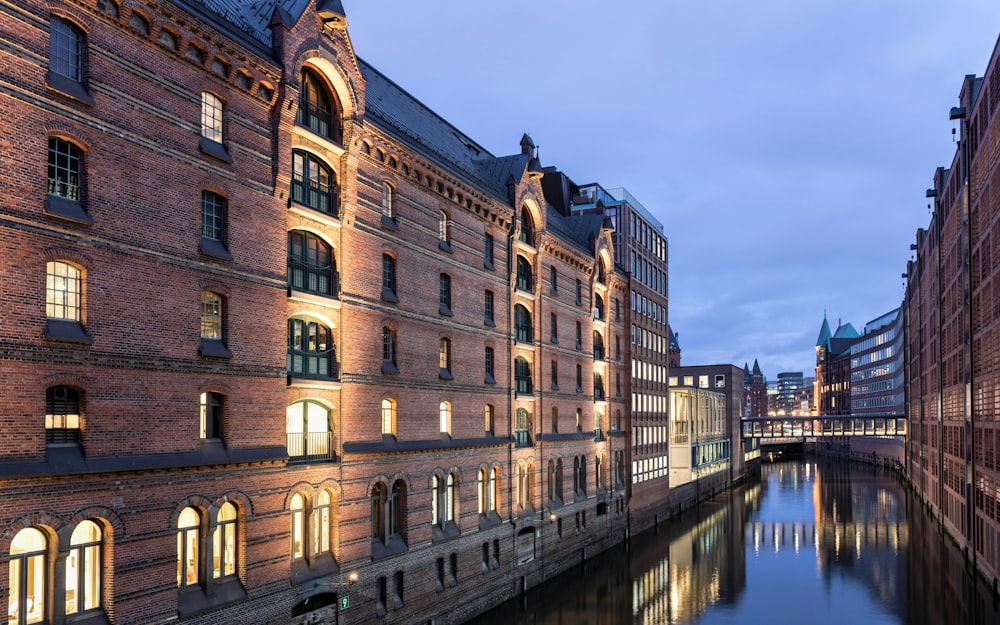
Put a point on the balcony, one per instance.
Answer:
(318, 365)
(311, 447)
(313, 279)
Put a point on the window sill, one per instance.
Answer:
(444, 533)
(445, 310)
(95, 617)
(214, 348)
(396, 545)
(66, 331)
(444, 246)
(489, 379)
(389, 223)
(444, 374)
(214, 248)
(69, 87)
(320, 565)
(489, 265)
(489, 323)
(194, 599)
(389, 367)
(555, 387)
(65, 208)
(214, 149)
(389, 296)
(488, 520)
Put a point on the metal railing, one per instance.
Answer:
(310, 446)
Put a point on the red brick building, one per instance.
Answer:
(280, 343)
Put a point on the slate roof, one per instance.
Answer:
(824, 333)
(253, 17)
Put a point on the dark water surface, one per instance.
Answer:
(812, 543)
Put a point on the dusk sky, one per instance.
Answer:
(785, 146)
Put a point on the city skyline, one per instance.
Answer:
(784, 148)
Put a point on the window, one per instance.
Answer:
(298, 533)
(188, 539)
(210, 422)
(522, 427)
(488, 308)
(579, 335)
(522, 376)
(488, 415)
(555, 418)
(601, 272)
(311, 264)
(62, 415)
(224, 542)
(307, 426)
(555, 375)
(522, 325)
(444, 232)
(553, 280)
(317, 111)
(389, 278)
(598, 307)
(211, 117)
(443, 504)
(389, 350)
(579, 419)
(196, 54)
(618, 309)
(321, 529)
(139, 22)
(389, 417)
(489, 359)
(83, 569)
(212, 326)
(444, 417)
(444, 291)
(388, 204)
(488, 251)
(65, 182)
(64, 288)
(398, 592)
(524, 281)
(311, 350)
(720, 381)
(66, 47)
(108, 7)
(598, 346)
(314, 184)
(213, 225)
(553, 327)
(579, 292)
(527, 234)
(579, 379)
(28, 573)
(243, 79)
(220, 68)
(444, 359)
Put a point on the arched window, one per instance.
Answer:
(598, 307)
(582, 486)
(524, 274)
(66, 48)
(552, 481)
(598, 387)
(444, 294)
(311, 264)
(493, 502)
(522, 486)
(321, 529)
(307, 424)
(63, 291)
(444, 231)
(522, 376)
(522, 325)
(83, 569)
(522, 427)
(576, 474)
(389, 278)
(379, 498)
(62, 415)
(188, 539)
(389, 350)
(527, 227)
(389, 417)
(311, 350)
(397, 508)
(314, 184)
(317, 110)
(602, 272)
(483, 491)
(388, 201)
(444, 417)
(211, 117)
(488, 414)
(28, 573)
(224, 542)
(444, 359)
(298, 534)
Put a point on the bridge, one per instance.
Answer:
(826, 425)
(879, 533)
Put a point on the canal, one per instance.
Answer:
(811, 542)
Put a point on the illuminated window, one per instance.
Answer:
(444, 504)
(62, 415)
(188, 534)
(444, 359)
(311, 350)
(444, 231)
(388, 201)
(307, 426)
(63, 291)
(224, 542)
(321, 529)
(211, 315)
(211, 415)
(83, 569)
(28, 573)
(298, 508)
(211, 117)
(388, 417)
(489, 417)
(311, 264)
(444, 417)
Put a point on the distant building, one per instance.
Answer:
(789, 383)
(756, 385)
(673, 348)
(877, 367)
(833, 368)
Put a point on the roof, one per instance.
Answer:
(824, 333)
(756, 368)
(253, 17)
(846, 331)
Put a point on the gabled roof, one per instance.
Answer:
(756, 368)
(846, 331)
(253, 17)
(672, 342)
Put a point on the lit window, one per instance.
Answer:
(444, 417)
(62, 415)
(63, 291)
(211, 117)
(488, 413)
(444, 358)
(307, 425)
(224, 542)
(28, 572)
(211, 315)
(388, 417)
(83, 569)
(444, 234)
(318, 111)
(311, 350)
(388, 204)
(297, 506)
(321, 529)
(211, 415)
(188, 531)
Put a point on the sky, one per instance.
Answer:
(785, 146)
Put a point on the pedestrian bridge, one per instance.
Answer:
(828, 533)
(826, 425)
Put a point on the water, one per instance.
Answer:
(813, 542)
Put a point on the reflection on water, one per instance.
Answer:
(812, 542)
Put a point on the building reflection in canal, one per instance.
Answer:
(810, 542)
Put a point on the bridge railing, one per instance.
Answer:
(795, 427)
